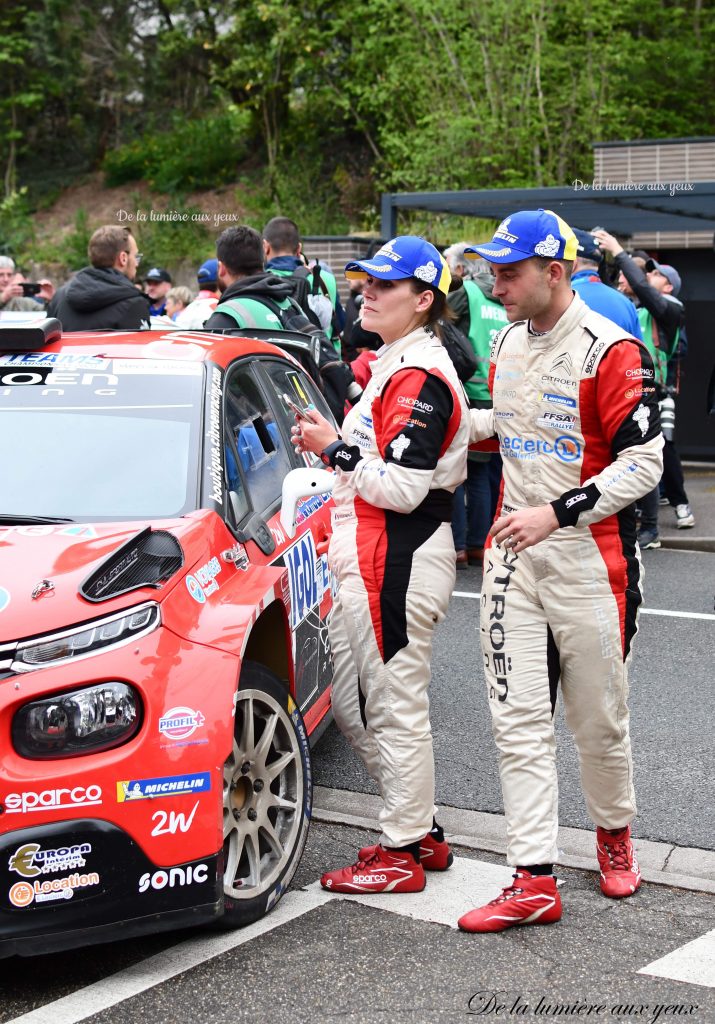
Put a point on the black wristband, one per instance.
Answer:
(572, 503)
(340, 454)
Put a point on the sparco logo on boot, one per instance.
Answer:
(53, 799)
(368, 879)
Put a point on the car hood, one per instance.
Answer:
(65, 555)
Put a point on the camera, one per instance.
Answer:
(30, 288)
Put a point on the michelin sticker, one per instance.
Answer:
(172, 785)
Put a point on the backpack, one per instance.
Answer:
(311, 293)
(459, 349)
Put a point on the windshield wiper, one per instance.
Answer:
(9, 517)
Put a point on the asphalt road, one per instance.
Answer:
(672, 706)
(318, 958)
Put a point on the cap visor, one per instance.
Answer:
(386, 271)
(496, 253)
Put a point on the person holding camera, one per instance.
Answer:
(398, 461)
(18, 294)
(662, 315)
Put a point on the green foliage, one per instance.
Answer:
(193, 154)
(16, 227)
(321, 106)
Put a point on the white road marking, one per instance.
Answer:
(156, 969)
(693, 962)
(643, 611)
(447, 895)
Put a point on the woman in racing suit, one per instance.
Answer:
(401, 455)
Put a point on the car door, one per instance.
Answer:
(257, 428)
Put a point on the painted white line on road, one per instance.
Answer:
(694, 963)
(448, 894)
(156, 969)
(475, 595)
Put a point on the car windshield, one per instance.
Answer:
(91, 438)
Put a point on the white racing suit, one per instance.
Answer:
(403, 453)
(576, 417)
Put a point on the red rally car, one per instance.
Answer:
(164, 653)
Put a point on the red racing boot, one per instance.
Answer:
(620, 873)
(435, 854)
(532, 899)
(384, 870)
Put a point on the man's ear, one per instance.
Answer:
(221, 272)
(121, 260)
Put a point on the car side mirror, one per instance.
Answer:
(301, 483)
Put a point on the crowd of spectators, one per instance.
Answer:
(632, 289)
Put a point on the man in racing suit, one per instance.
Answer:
(401, 456)
(576, 417)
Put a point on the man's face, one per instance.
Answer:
(156, 290)
(128, 267)
(5, 276)
(522, 288)
(660, 282)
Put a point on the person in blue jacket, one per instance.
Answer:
(603, 299)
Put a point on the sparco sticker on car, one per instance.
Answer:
(53, 799)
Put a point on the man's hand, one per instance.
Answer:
(47, 290)
(12, 291)
(525, 528)
(607, 242)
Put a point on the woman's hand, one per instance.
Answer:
(314, 434)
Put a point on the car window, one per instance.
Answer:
(257, 452)
(289, 380)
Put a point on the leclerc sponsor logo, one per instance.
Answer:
(178, 723)
(567, 449)
(53, 799)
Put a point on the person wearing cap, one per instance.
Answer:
(662, 317)
(401, 454)
(579, 434)
(195, 315)
(586, 282)
(156, 285)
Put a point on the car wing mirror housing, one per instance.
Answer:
(302, 483)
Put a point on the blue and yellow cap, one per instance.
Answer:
(528, 233)
(404, 256)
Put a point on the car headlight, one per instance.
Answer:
(112, 631)
(68, 724)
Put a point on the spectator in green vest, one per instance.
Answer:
(478, 315)
(315, 288)
(251, 296)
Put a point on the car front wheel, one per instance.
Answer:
(267, 797)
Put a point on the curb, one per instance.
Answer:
(688, 543)
(661, 863)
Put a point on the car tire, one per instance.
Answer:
(267, 797)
